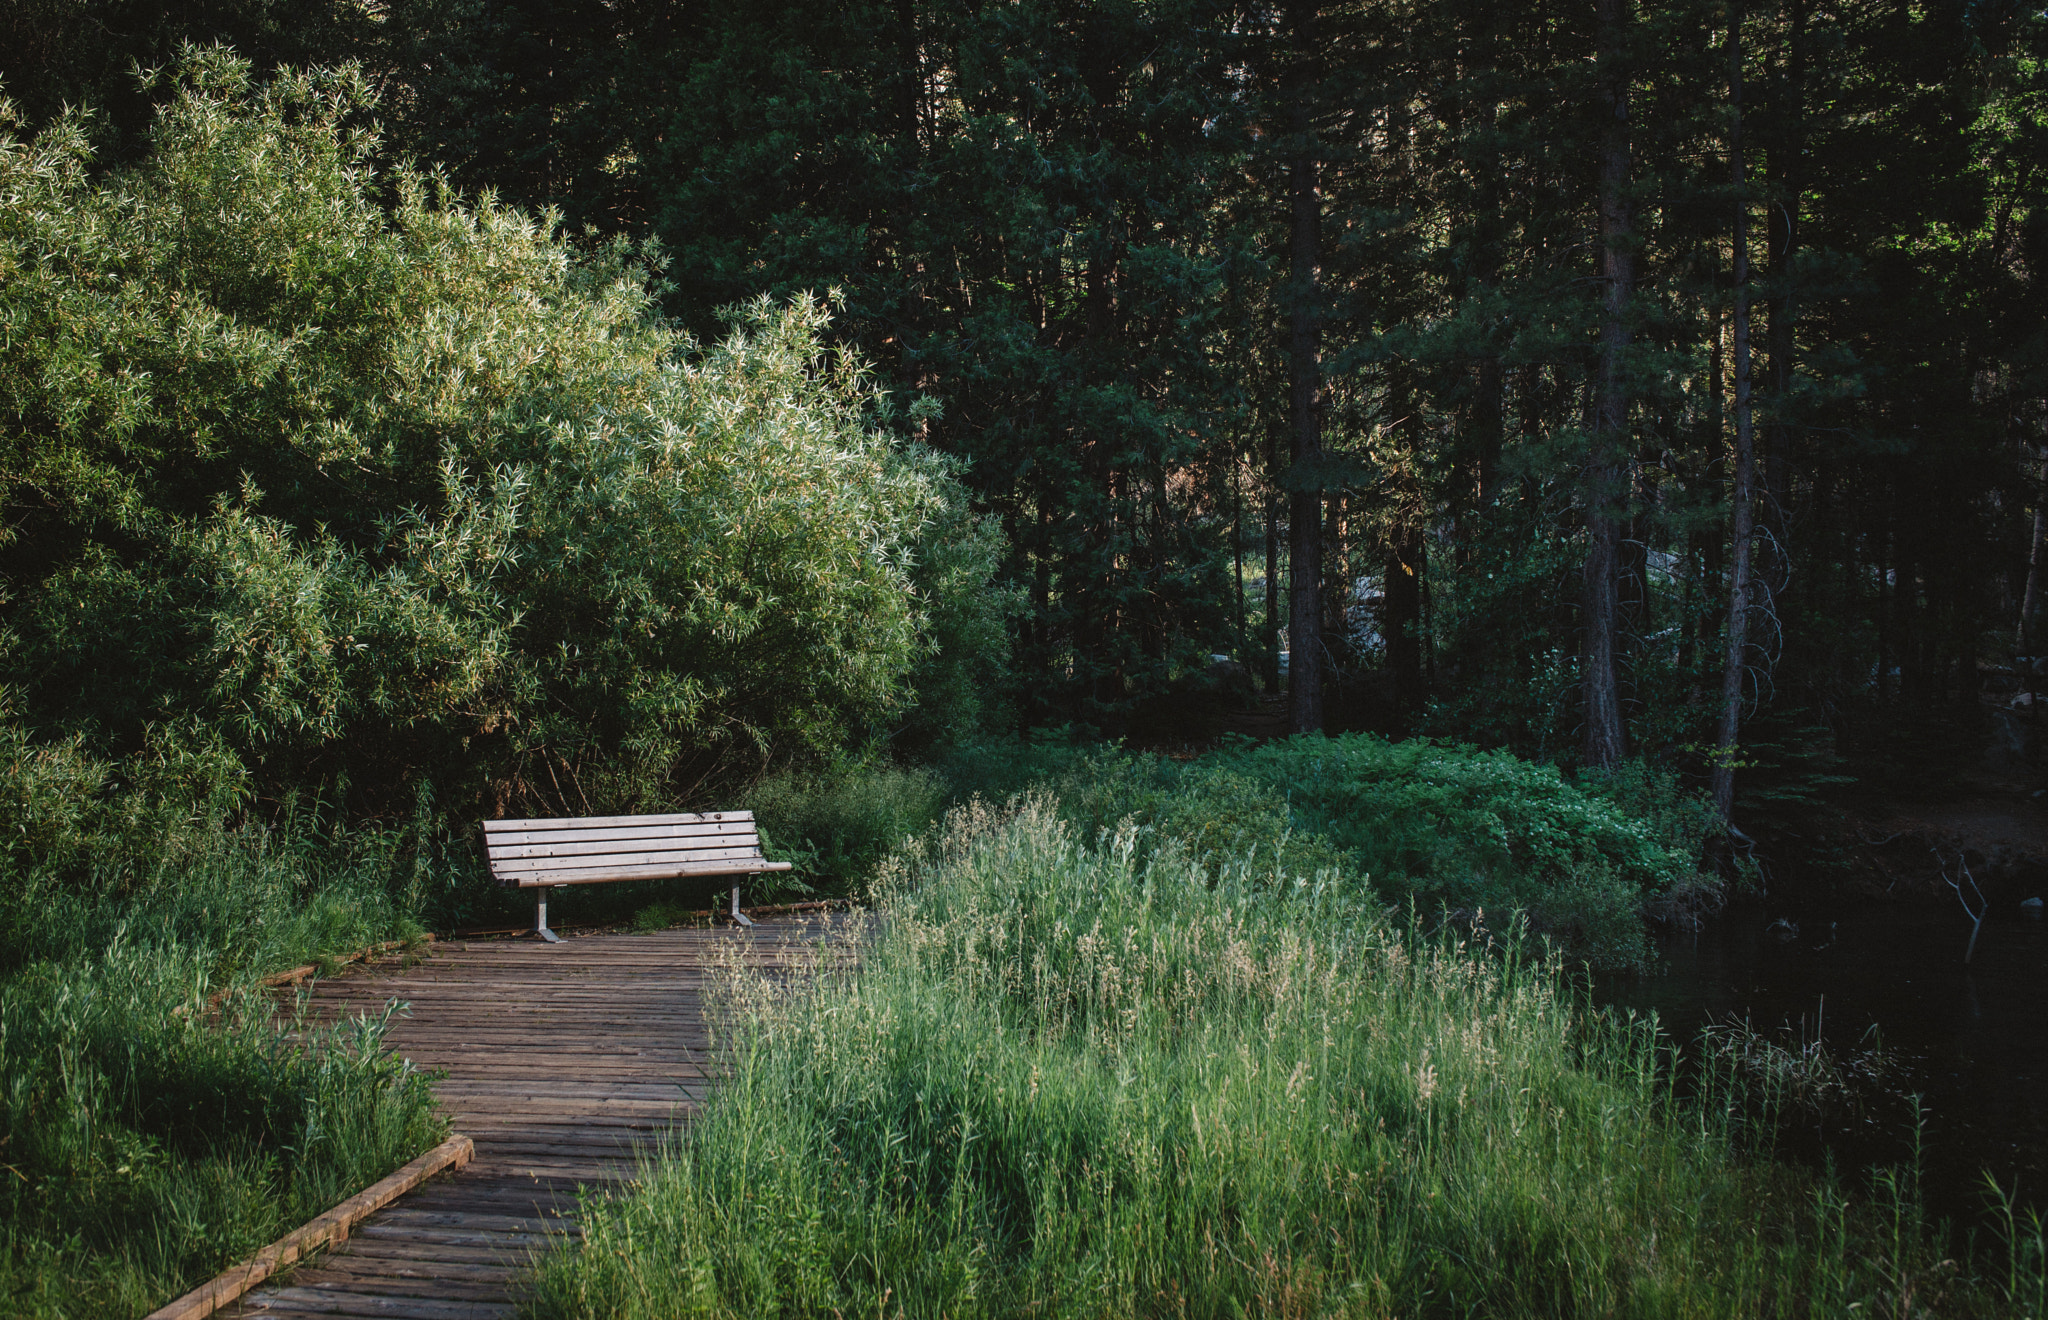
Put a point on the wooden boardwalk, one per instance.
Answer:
(561, 1059)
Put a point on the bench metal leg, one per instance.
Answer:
(739, 918)
(540, 921)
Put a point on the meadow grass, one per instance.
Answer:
(1064, 1082)
(151, 1136)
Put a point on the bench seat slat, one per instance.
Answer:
(595, 875)
(570, 847)
(637, 857)
(606, 822)
(654, 827)
(542, 853)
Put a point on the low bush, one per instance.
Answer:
(837, 822)
(1452, 827)
(1209, 809)
(1061, 1082)
(997, 769)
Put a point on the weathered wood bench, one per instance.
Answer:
(589, 850)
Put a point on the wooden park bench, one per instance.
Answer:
(590, 850)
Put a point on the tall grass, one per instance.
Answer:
(150, 1140)
(1062, 1083)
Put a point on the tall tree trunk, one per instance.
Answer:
(1632, 584)
(1787, 146)
(1039, 624)
(1401, 615)
(1606, 475)
(1269, 667)
(2030, 598)
(910, 73)
(1741, 525)
(1703, 576)
(1488, 403)
(1887, 591)
(1336, 574)
(1401, 598)
(1488, 426)
(1304, 383)
(1244, 639)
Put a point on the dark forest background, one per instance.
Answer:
(1483, 360)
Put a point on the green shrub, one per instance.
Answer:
(1208, 809)
(995, 769)
(1447, 826)
(353, 479)
(1451, 818)
(838, 821)
(956, 683)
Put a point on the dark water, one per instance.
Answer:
(1970, 1040)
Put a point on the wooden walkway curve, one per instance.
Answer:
(560, 1060)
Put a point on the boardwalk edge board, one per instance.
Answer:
(328, 1229)
(278, 980)
(366, 954)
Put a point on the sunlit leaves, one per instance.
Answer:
(382, 481)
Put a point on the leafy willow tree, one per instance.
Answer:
(386, 493)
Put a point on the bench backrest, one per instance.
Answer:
(581, 850)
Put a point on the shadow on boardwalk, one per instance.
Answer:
(560, 1060)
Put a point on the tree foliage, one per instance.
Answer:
(371, 481)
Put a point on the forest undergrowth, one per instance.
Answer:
(1068, 1079)
(161, 1118)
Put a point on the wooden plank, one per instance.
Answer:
(501, 844)
(639, 1088)
(559, 1212)
(381, 1239)
(455, 1219)
(539, 1204)
(308, 1301)
(623, 854)
(602, 822)
(404, 1254)
(331, 1227)
(675, 1082)
(535, 1203)
(503, 867)
(438, 1285)
(583, 846)
(502, 1132)
(348, 1264)
(636, 866)
(670, 872)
